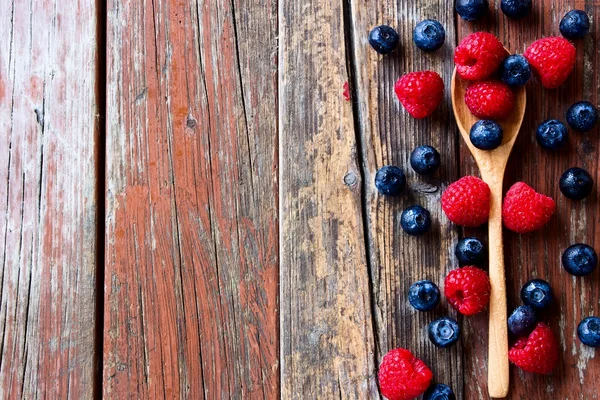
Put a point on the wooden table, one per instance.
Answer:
(187, 207)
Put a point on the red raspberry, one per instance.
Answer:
(553, 59)
(467, 289)
(524, 210)
(537, 353)
(402, 376)
(466, 202)
(489, 99)
(478, 56)
(420, 92)
(346, 91)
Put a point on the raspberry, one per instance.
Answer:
(467, 289)
(420, 92)
(553, 59)
(402, 376)
(489, 99)
(478, 56)
(466, 202)
(524, 210)
(537, 353)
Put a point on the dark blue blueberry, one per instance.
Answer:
(471, 9)
(582, 116)
(384, 39)
(537, 294)
(415, 220)
(516, 9)
(588, 331)
(579, 259)
(576, 183)
(486, 134)
(552, 134)
(515, 70)
(439, 392)
(390, 180)
(575, 24)
(424, 295)
(470, 251)
(444, 332)
(522, 321)
(425, 160)
(429, 35)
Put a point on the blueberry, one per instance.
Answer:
(384, 39)
(471, 9)
(551, 134)
(515, 70)
(576, 183)
(588, 331)
(470, 251)
(439, 392)
(579, 260)
(415, 220)
(429, 35)
(390, 180)
(516, 9)
(582, 116)
(444, 332)
(537, 294)
(575, 24)
(425, 160)
(486, 134)
(423, 295)
(522, 321)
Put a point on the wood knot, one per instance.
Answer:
(191, 122)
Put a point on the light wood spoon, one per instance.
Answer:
(492, 165)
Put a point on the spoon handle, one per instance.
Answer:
(498, 377)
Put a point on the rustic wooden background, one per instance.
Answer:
(187, 207)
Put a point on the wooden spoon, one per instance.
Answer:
(492, 165)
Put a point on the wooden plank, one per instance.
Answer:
(48, 211)
(538, 254)
(192, 256)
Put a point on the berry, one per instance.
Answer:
(439, 392)
(486, 134)
(582, 116)
(471, 9)
(415, 220)
(576, 183)
(536, 294)
(390, 180)
(537, 353)
(423, 295)
(470, 251)
(516, 9)
(402, 376)
(420, 92)
(489, 99)
(466, 202)
(524, 210)
(522, 321)
(478, 56)
(515, 70)
(551, 134)
(425, 160)
(384, 39)
(553, 59)
(467, 289)
(579, 259)
(588, 331)
(575, 24)
(346, 91)
(444, 332)
(429, 35)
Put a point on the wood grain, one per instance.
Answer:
(192, 225)
(49, 140)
